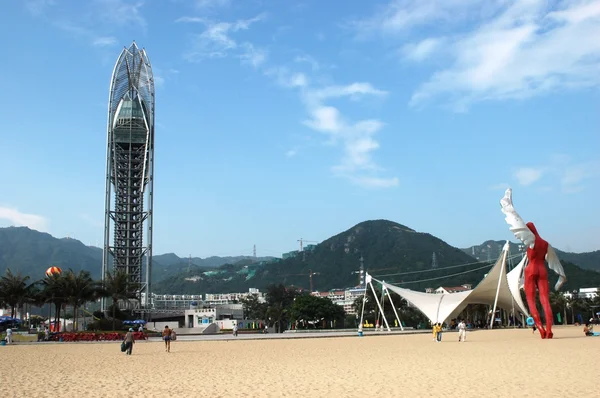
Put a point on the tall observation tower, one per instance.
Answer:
(130, 170)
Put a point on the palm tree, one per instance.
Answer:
(118, 287)
(55, 291)
(80, 289)
(14, 290)
(559, 303)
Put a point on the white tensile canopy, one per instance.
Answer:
(497, 288)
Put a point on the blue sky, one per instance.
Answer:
(275, 122)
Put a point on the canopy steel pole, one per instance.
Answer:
(379, 305)
(362, 312)
(498, 290)
(393, 306)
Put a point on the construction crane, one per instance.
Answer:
(304, 240)
(310, 277)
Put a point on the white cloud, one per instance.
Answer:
(252, 55)
(309, 60)
(354, 91)
(216, 41)
(522, 52)
(574, 175)
(291, 153)
(159, 81)
(104, 41)
(421, 50)
(286, 78)
(356, 138)
(121, 12)
(560, 169)
(15, 217)
(494, 49)
(399, 16)
(204, 4)
(375, 182)
(528, 175)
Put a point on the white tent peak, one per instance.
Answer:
(498, 288)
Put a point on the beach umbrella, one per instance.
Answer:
(139, 322)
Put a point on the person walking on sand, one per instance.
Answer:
(166, 335)
(9, 334)
(439, 332)
(434, 329)
(129, 341)
(462, 331)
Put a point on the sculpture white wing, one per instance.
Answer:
(555, 265)
(517, 225)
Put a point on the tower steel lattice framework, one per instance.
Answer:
(130, 171)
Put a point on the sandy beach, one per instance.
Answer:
(495, 363)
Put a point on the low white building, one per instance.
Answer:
(229, 298)
(584, 293)
(203, 316)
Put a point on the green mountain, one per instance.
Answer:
(387, 249)
(491, 248)
(390, 251)
(32, 252)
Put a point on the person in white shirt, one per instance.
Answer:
(9, 336)
(462, 331)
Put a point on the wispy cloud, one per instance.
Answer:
(290, 153)
(286, 78)
(421, 50)
(562, 171)
(204, 4)
(400, 16)
(510, 49)
(38, 7)
(356, 138)
(104, 41)
(573, 176)
(17, 218)
(315, 66)
(216, 41)
(528, 175)
(121, 12)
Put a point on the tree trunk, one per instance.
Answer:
(565, 318)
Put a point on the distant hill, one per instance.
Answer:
(31, 252)
(387, 248)
(391, 251)
(590, 260)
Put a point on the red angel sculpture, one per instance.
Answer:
(535, 274)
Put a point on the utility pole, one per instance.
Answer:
(300, 240)
(189, 264)
(310, 276)
(254, 251)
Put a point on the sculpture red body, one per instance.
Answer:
(536, 276)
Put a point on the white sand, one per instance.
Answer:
(496, 363)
